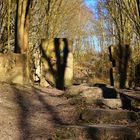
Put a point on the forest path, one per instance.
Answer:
(32, 113)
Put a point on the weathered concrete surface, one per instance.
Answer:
(13, 68)
(109, 116)
(91, 94)
(34, 113)
(85, 93)
(111, 103)
(95, 132)
(57, 62)
(131, 94)
(76, 90)
(68, 76)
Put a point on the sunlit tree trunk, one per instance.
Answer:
(8, 25)
(22, 26)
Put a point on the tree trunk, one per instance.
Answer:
(8, 25)
(22, 26)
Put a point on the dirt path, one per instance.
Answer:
(32, 113)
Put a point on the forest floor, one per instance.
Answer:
(32, 112)
(35, 113)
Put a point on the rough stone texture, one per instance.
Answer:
(57, 61)
(84, 90)
(76, 90)
(136, 128)
(95, 132)
(111, 103)
(120, 55)
(69, 71)
(13, 68)
(34, 113)
(109, 116)
(85, 93)
(93, 92)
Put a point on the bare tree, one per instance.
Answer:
(22, 25)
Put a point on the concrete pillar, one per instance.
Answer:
(57, 62)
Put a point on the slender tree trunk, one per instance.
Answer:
(8, 25)
(22, 26)
(138, 6)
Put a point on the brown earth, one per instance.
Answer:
(35, 113)
(32, 112)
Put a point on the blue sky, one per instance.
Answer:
(92, 5)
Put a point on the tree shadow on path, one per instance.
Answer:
(33, 111)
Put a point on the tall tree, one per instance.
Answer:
(22, 26)
(3, 24)
(8, 25)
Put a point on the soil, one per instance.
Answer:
(32, 113)
(35, 113)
